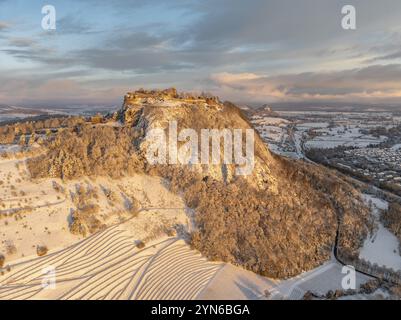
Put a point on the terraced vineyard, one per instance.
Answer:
(108, 265)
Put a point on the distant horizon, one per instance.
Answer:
(278, 106)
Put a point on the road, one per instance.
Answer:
(299, 145)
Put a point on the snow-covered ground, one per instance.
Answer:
(342, 136)
(9, 148)
(269, 120)
(108, 265)
(313, 125)
(41, 215)
(272, 133)
(234, 283)
(327, 277)
(319, 130)
(381, 247)
(396, 146)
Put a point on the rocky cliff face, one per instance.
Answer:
(278, 220)
(149, 110)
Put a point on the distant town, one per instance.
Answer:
(365, 145)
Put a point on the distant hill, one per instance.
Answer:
(335, 107)
(279, 220)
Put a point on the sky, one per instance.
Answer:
(254, 51)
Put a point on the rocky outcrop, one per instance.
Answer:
(148, 110)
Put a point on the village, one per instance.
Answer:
(383, 165)
(365, 145)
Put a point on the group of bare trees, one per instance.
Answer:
(12, 132)
(276, 235)
(391, 219)
(381, 272)
(88, 150)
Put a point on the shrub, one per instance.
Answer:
(84, 220)
(171, 232)
(97, 119)
(87, 151)
(10, 247)
(41, 250)
(140, 244)
(2, 260)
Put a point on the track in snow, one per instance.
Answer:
(108, 265)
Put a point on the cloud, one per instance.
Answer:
(31, 50)
(287, 23)
(55, 92)
(142, 60)
(390, 56)
(138, 40)
(71, 24)
(41, 55)
(22, 42)
(226, 77)
(373, 83)
(4, 25)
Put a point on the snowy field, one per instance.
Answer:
(272, 133)
(9, 148)
(342, 136)
(313, 125)
(292, 132)
(396, 147)
(108, 264)
(381, 247)
(257, 120)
